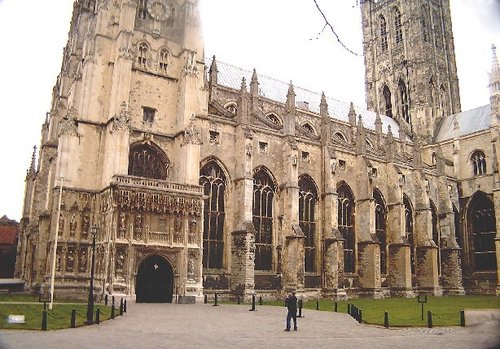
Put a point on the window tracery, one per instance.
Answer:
(142, 11)
(307, 205)
(346, 225)
(387, 99)
(213, 180)
(409, 231)
(380, 229)
(478, 160)
(383, 34)
(147, 161)
(403, 94)
(482, 227)
(263, 197)
(163, 58)
(142, 56)
(398, 26)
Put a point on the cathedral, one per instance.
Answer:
(197, 177)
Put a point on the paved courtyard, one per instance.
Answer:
(232, 326)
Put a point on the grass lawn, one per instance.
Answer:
(407, 311)
(58, 318)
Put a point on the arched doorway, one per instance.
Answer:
(155, 281)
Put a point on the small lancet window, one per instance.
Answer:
(478, 163)
(142, 59)
(383, 34)
(163, 60)
(398, 26)
(403, 94)
(388, 103)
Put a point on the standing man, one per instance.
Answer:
(291, 304)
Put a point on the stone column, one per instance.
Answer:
(243, 262)
(293, 259)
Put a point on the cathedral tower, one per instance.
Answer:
(410, 65)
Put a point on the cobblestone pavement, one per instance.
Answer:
(234, 326)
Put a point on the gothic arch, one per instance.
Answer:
(346, 224)
(308, 197)
(436, 232)
(383, 33)
(264, 189)
(148, 160)
(409, 233)
(214, 182)
(478, 162)
(309, 127)
(404, 100)
(275, 119)
(480, 232)
(232, 107)
(381, 227)
(386, 93)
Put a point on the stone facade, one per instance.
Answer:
(234, 182)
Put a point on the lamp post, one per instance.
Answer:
(90, 303)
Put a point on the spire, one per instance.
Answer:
(495, 73)
(323, 106)
(243, 88)
(378, 124)
(254, 84)
(290, 98)
(352, 115)
(494, 63)
(243, 101)
(32, 169)
(213, 71)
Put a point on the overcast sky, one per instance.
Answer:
(277, 37)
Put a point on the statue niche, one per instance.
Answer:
(149, 161)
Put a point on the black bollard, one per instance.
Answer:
(216, 302)
(336, 307)
(44, 305)
(205, 299)
(97, 316)
(317, 305)
(121, 307)
(253, 303)
(349, 308)
(73, 318)
(113, 300)
(260, 300)
(360, 316)
(429, 319)
(106, 299)
(44, 320)
(462, 318)
(238, 299)
(300, 307)
(386, 319)
(113, 311)
(125, 305)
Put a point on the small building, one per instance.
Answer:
(8, 245)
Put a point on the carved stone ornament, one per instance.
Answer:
(126, 52)
(159, 11)
(68, 125)
(122, 120)
(192, 134)
(190, 68)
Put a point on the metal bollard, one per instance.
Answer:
(44, 320)
(121, 307)
(106, 299)
(336, 307)
(349, 308)
(216, 302)
(253, 303)
(238, 299)
(360, 316)
(300, 303)
(113, 300)
(386, 319)
(97, 316)
(462, 318)
(429, 319)
(260, 300)
(73, 318)
(113, 311)
(206, 299)
(317, 305)
(125, 305)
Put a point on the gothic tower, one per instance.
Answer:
(410, 66)
(121, 146)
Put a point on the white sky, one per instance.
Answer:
(277, 37)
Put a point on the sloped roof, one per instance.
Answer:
(231, 76)
(8, 234)
(464, 123)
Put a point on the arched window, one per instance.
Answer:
(458, 231)
(437, 30)
(388, 103)
(346, 225)
(163, 60)
(383, 34)
(398, 27)
(147, 161)
(308, 196)
(142, 9)
(263, 196)
(478, 163)
(403, 94)
(482, 228)
(409, 230)
(380, 228)
(436, 233)
(213, 180)
(142, 56)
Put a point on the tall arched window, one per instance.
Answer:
(403, 95)
(436, 233)
(478, 163)
(147, 161)
(409, 230)
(346, 225)
(213, 180)
(398, 26)
(308, 196)
(263, 196)
(482, 231)
(142, 55)
(380, 228)
(388, 103)
(383, 34)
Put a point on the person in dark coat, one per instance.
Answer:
(291, 304)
